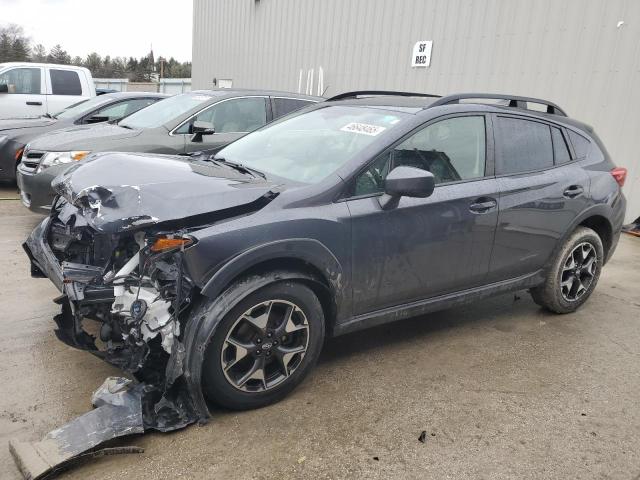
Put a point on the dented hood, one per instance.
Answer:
(116, 192)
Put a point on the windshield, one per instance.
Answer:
(82, 107)
(307, 148)
(164, 111)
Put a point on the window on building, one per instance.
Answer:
(22, 80)
(524, 146)
(65, 82)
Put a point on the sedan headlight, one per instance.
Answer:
(50, 159)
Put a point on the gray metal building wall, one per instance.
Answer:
(573, 52)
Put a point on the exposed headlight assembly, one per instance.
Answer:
(50, 159)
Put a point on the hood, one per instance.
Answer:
(117, 192)
(19, 123)
(82, 137)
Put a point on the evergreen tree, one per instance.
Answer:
(39, 53)
(58, 55)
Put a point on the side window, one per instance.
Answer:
(560, 149)
(372, 179)
(65, 82)
(123, 109)
(22, 80)
(452, 149)
(525, 146)
(282, 106)
(230, 116)
(580, 144)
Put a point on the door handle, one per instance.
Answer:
(483, 205)
(573, 191)
(34, 103)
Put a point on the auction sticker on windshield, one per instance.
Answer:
(363, 128)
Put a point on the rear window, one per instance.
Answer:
(65, 82)
(580, 144)
(525, 146)
(560, 149)
(282, 106)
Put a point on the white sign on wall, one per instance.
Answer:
(421, 56)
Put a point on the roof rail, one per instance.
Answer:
(359, 93)
(514, 101)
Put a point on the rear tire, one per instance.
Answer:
(573, 274)
(264, 346)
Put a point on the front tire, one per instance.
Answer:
(264, 346)
(573, 274)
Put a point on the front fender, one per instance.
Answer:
(305, 249)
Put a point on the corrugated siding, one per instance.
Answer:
(569, 51)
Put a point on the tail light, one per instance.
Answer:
(620, 175)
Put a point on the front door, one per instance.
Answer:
(25, 93)
(541, 193)
(231, 119)
(425, 247)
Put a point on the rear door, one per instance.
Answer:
(541, 192)
(25, 97)
(231, 118)
(426, 247)
(65, 87)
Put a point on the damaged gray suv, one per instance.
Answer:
(218, 278)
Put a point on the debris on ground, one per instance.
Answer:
(120, 410)
(423, 436)
(632, 228)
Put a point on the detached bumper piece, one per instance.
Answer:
(122, 408)
(118, 412)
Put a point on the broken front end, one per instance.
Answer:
(125, 298)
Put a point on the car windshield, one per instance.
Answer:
(164, 111)
(82, 107)
(307, 148)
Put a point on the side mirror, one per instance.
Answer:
(406, 182)
(199, 129)
(4, 88)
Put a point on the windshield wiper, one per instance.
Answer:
(48, 115)
(237, 166)
(125, 126)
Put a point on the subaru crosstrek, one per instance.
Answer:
(219, 277)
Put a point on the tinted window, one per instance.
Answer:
(560, 149)
(525, 146)
(65, 82)
(282, 106)
(580, 144)
(22, 80)
(235, 115)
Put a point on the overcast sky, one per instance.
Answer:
(120, 28)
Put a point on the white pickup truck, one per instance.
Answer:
(34, 89)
